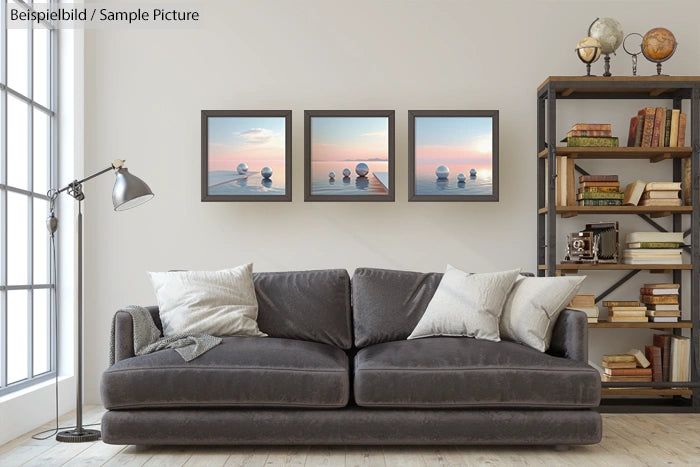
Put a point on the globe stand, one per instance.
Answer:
(607, 66)
(593, 57)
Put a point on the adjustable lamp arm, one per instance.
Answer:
(75, 189)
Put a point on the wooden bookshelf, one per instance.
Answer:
(646, 391)
(573, 267)
(649, 325)
(652, 154)
(653, 211)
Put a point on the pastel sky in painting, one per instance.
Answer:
(349, 138)
(454, 140)
(257, 141)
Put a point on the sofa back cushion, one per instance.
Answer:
(387, 304)
(306, 305)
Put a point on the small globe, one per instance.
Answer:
(331, 175)
(608, 32)
(461, 177)
(361, 169)
(658, 44)
(346, 172)
(266, 172)
(588, 49)
(442, 172)
(242, 168)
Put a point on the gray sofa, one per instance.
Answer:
(337, 369)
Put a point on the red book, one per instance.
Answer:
(634, 122)
(663, 341)
(648, 130)
(681, 130)
(659, 123)
(653, 354)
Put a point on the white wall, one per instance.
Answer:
(145, 89)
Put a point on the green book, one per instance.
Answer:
(600, 202)
(653, 245)
(600, 189)
(599, 195)
(592, 141)
(667, 128)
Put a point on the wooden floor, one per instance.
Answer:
(627, 440)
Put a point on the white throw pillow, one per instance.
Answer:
(533, 307)
(466, 305)
(220, 303)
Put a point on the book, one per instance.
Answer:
(653, 354)
(628, 371)
(663, 319)
(640, 127)
(633, 193)
(686, 184)
(661, 307)
(639, 356)
(623, 357)
(625, 379)
(663, 341)
(609, 303)
(592, 319)
(667, 129)
(657, 260)
(620, 309)
(659, 120)
(591, 311)
(599, 195)
(664, 313)
(680, 359)
(609, 184)
(598, 178)
(653, 245)
(660, 194)
(627, 319)
(659, 299)
(617, 365)
(664, 285)
(648, 291)
(652, 251)
(648, 130)
(660, 202)
(681, 130)
(600, 189)
(631, 137)
(673, 140)
(589, 133)
(591, 141)
(600, 202)
(592, 126)
(661, 186)
(675, 237)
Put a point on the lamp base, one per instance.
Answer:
(75, 436)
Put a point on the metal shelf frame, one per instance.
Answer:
(677, 89)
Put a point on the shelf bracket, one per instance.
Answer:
(617, 284)
(580, 170)
(652, 223)
(660, 157)
(658, 92)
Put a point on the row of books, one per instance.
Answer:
(653, 248)
(657, 303)
(591, 135)
(654, 127)
(640, 193)
(667, 359)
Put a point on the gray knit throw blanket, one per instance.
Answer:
(147, 337)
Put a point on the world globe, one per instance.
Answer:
(658, 44)
(588, 49)
(608, 32)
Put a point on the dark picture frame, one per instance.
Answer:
(243, 137)
(334, 128)
(447, 137)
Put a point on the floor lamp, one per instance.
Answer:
(129, 191)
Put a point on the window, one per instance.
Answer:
(27, 171)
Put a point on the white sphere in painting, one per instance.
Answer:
(242, 168)
(331, 175)
(472, 172)
(442, 172)
(346, 172)
(461, 177)
(266, 172)
(361, 169)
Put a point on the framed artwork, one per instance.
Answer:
(349, 155)
(453, 155)
(246, 155)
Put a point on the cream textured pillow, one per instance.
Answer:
(220, 303)
(533, 307)
(466, 305)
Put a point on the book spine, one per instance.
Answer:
(600, 202)
(640, 128)
(610, 303)
(592, 126)
(659, 299)
(653, 354)
(592, 141)
(600, 195)
(589, 133)
(659, 117)
(597, 178)
(600, 189)
(645, 291)
(599, 184)
(648, 130)
(673, 140)
(667, 129)
(634, 122)
(681, 130)
(655, 245)
(686, 184)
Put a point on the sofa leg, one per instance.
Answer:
(561, 447)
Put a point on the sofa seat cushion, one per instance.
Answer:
(241, 371)
(461, 372)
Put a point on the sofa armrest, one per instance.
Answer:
(124, 333)
(570, 336)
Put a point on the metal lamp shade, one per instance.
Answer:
(129, 191)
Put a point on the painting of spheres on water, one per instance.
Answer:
(446, 149)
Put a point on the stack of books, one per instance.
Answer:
(626, 311)
(680, 359)
(591, 135)
(585, 303)
(653, 248)
(629, 367)
(670, 358)
(599, 190)
(661, 301)
(654, 127)
(661, 194)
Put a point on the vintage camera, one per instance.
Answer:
(597, 243)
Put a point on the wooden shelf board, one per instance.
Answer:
(651, 86)
(655, 211)
(647, 391)
(649, 325)
(653, 154)
(617, 267)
